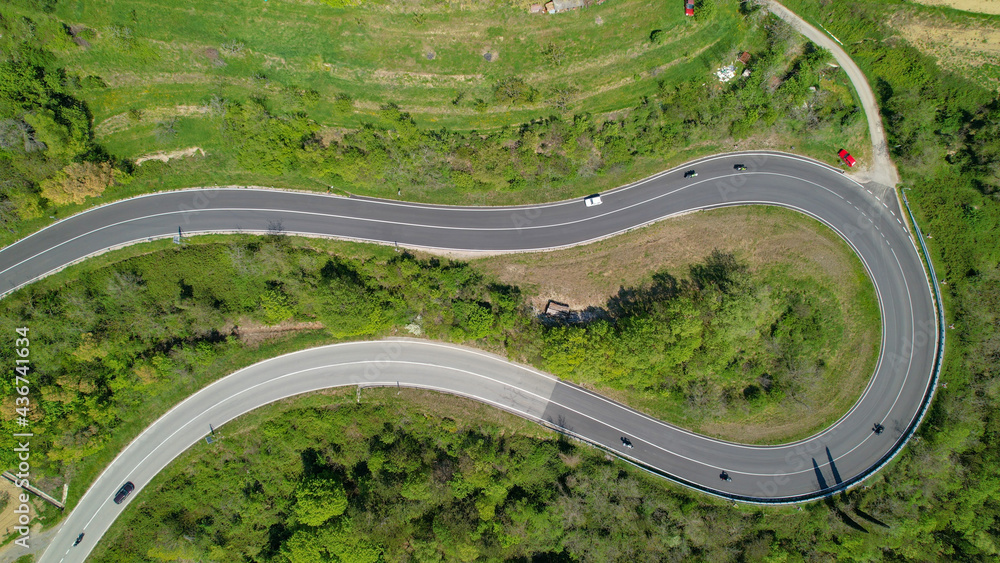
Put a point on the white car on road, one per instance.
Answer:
(593, 200)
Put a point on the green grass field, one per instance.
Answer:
(162, 53)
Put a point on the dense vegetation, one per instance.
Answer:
(718, 335)
(428, 478)
(148, 330)
(52, 165)
(944, 133)
(47, 155)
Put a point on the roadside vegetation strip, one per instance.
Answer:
(152, 323)
(267, 136)
(414, 475)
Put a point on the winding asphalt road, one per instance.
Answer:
(833, 459)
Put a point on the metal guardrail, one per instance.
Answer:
(939, 303)
(30, 488)
(840, 487)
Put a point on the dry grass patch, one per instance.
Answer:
(123, 121)
(588, 275)
(966, 45)
(982, 6)
(253, 334)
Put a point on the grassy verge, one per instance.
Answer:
(431, 59)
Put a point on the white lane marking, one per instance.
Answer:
(382, 221)
(871, 380)
(231, 397)
(913, 328)
(870, 275)
(908, 365)
(655, 197)
(387, 202)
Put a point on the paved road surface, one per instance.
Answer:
(808, 469)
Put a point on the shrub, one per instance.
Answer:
(513, 90)
(77, 181)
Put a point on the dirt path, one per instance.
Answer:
(882, 170)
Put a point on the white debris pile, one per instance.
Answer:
(726, 73)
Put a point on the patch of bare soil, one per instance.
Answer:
(982, 6)
(956, 47)
(75, 31)
(165, 156)
(8, 496)
(329, 135)
(252, 334)
(38, 539)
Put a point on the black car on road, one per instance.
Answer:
(690, 174)
(739, 167)
(123, 492)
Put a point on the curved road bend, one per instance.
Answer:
(811, 468)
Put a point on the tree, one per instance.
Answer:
(65, 134)
(77, 182)
(318, 500)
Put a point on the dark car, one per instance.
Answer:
(739, 167)
(123, 492)
(626, 442)
(78, 540)
(690, 174)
